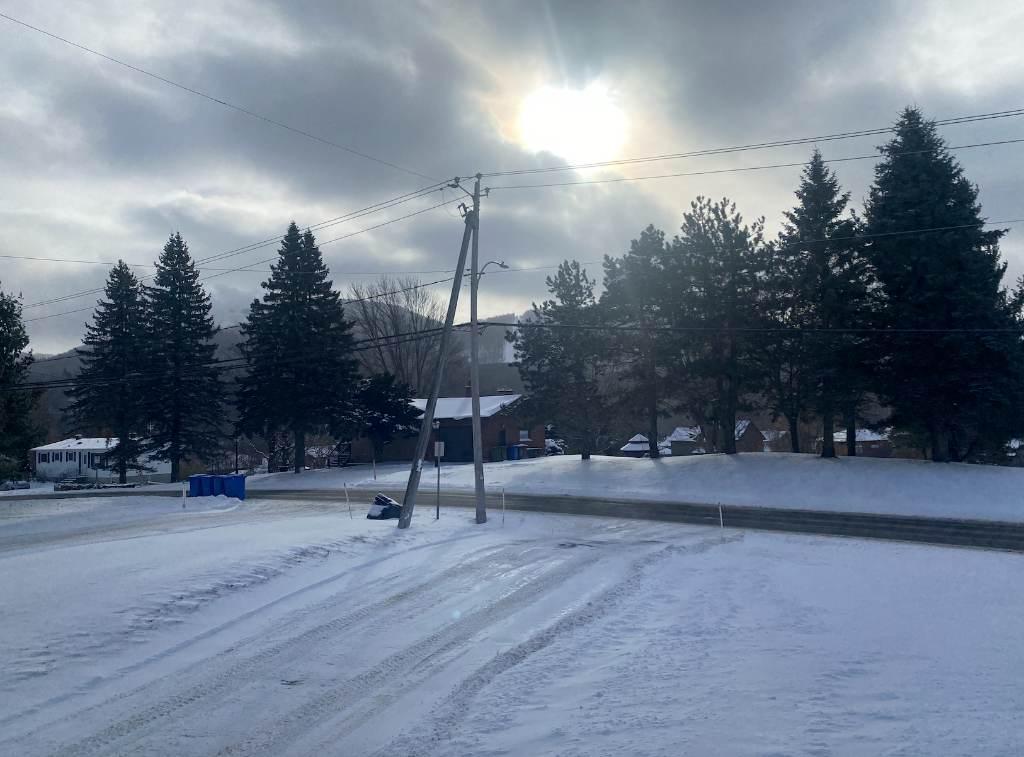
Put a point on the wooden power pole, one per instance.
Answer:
(412, 488)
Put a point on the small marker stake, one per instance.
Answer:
(348, 502)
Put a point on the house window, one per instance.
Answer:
(524, 434)
(56, 457)
(71, 456)
(44, 457)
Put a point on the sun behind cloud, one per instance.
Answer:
(579, 125)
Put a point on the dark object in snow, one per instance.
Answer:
(384, 508)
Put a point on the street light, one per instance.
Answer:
(438, 452)
(474, 379)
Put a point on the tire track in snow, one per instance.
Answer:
(446, 717)
(202, 667)
(138, 725)
(404, 669)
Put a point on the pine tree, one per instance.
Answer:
(634, 284)
(183, 392)
(17, 430)
(108, 393)
(298, 348)
(384, 410)
(566, 369)
(713, 274)
(818, 288)
(958, 388)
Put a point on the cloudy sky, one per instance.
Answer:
(101, 163)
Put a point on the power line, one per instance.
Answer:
(236, 363)
(349, 301)
(234, 270)
(753, 329)
(756, 146)
(359, 213)
(743, 169)
(219, 101)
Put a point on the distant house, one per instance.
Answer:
(77, 457)
(776, 440)
(638, 446)
(684, 440)
(869, 443)
(691, 440)
(748, 436)
(503, 424)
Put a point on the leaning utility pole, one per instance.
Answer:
(474, 362)
(411, 489)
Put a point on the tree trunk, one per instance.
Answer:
(728, 421)
(794, 434)
(828, 431)
(300, 450)
(652, 399)
(585, 454)
(122, 471)
(851, 429)
(175, 467)
(271, 450)
(940, 443)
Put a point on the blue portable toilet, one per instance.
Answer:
(205, 485)
(217, 486)
(234, 485)
(195, 486)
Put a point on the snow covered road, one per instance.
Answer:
(287, 628)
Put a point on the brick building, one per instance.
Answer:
(502, 423)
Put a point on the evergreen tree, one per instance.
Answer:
(183, 392)
(818, 286)
(956, 387)
(17, 430)
(384, 411)
(108, 394)
(298, 347)
(713, 274)
(634, 284)
(565, 369)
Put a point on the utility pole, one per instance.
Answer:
(474, 362)
(411, 489)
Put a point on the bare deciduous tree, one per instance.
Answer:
(391, 310)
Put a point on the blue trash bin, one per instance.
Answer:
(234, 485)
(195, 486)
(217, 487)
(513, 452)
(205, 485)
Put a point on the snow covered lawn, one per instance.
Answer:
(903, 487)
(131, 626)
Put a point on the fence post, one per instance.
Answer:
(503, 505)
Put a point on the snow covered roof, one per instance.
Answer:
(459, 408)
(89, 443)
(638, 443)
(863, 435)
(741, 427)
(683, 434)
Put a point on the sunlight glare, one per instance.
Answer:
(579, 125)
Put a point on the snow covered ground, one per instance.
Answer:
(902, 487)
(132, 626)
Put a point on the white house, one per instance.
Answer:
(75, 457)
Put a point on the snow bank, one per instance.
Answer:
(903, 487)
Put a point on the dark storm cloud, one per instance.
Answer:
(102, 163)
